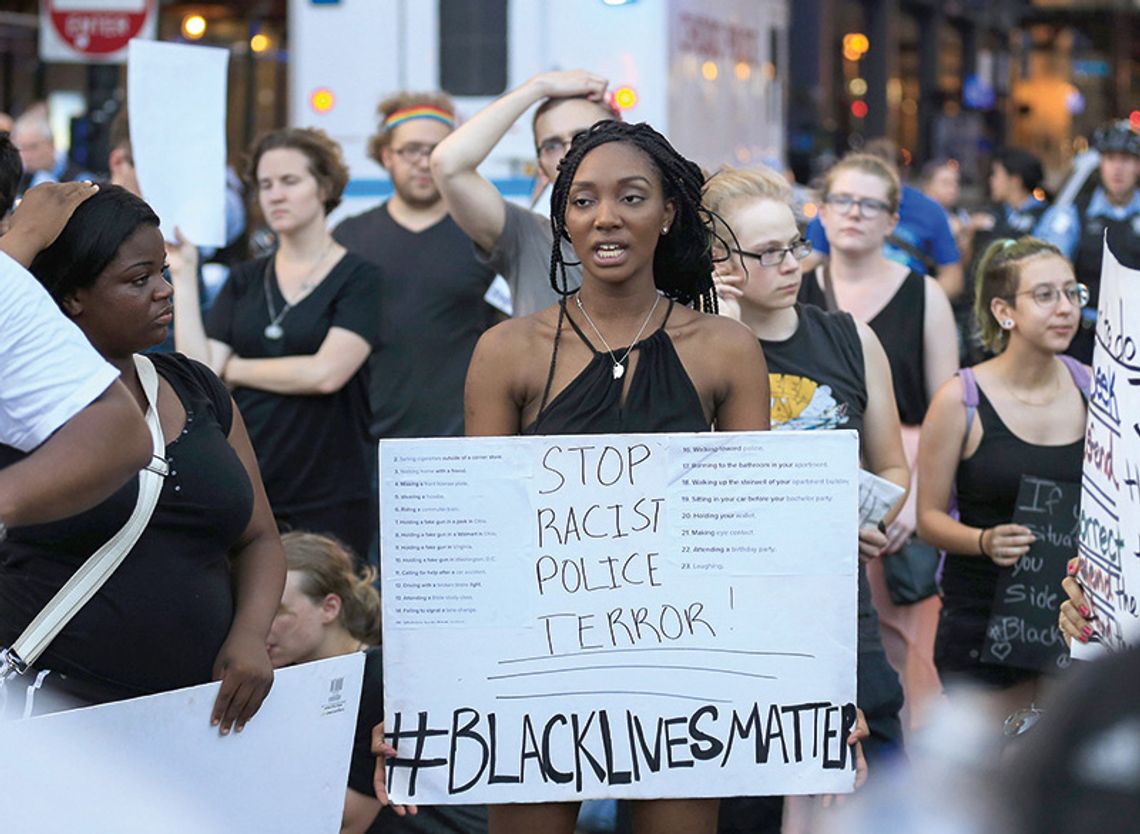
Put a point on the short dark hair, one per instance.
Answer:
(682, 262)
(11, 169)
(326, 162)
(1021, 164)
(90, 240)
(120, 135)
(551, 103)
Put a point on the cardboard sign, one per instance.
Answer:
(155, 763)
(1110, 483)
(619, 616)
(1022, 631)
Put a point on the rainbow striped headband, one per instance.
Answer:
(406, 114)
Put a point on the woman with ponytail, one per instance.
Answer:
(1030, 420)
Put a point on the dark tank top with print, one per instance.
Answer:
(660, 396)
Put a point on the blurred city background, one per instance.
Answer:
(790, 82)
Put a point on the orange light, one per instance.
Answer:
(193, 26)
(851, 54)
(810, 210)
(259, 42)
(860, 43)
(625, 97)
(322, 100)
(709, 70)
(859, 109)
(743, 70)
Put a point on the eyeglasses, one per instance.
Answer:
(800, 249)
(414, 153)
(868, 207)
(557, 145)
(1047, 297)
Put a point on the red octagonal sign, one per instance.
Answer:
(99, 31)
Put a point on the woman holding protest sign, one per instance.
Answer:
(194, 595)
(1022, 412)
(631, 207)
(291, 334)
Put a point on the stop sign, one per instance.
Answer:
(93, 30)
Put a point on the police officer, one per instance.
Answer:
(1079, 229)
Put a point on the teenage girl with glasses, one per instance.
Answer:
(1030, 419)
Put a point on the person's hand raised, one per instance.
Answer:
(571, 83)
(41, 216)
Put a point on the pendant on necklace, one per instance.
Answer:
(619, 370)
(274, 331)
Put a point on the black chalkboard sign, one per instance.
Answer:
(1022, 631)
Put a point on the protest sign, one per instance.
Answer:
(176, 95)
(619, 616)
(1023, 631)
(155, 763)
(1110, 482)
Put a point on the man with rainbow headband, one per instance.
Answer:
(432, 309)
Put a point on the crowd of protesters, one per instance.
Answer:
(956, 342)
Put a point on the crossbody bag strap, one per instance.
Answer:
(87, 581)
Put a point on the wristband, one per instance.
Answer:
(981, 543)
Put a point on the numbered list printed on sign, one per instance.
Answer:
(631, 615)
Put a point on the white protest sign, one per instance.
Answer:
(1110, 483)
(155, 763)
(619, 616)
(176, 97)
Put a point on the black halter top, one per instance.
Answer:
(660, 396)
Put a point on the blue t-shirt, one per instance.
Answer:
(922, 224)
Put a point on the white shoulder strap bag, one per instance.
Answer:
(102, 563)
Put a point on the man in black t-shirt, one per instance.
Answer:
(432, 308)
(432, 313)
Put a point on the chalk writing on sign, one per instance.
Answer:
(1022, 631)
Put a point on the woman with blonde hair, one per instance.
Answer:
(911, 316)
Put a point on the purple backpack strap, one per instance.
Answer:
(969, 398)
(1081, 377)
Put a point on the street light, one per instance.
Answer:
(193, 26)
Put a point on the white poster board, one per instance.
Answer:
(176, 97)
(619, 616)
(155, 764)
(1110, 483)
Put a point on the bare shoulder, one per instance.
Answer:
(717, 333)
(512, 337)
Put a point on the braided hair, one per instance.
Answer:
(683, 262)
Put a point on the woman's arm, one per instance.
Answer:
(340, 356)
(939, 339)
(359, 812)
(882, 438)
(939, 454)
(491, 404)
(258, 560)
(189, 331)
(744, 402)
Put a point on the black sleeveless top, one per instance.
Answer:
(160, 620)
(816, 376)
(660, 398)
(987, 484)
(899, 326)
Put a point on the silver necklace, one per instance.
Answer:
(274, 330)
(619, 364)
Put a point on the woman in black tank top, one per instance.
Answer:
(1030, 420)
(913, 320)
(626, 353)
(826, 371)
